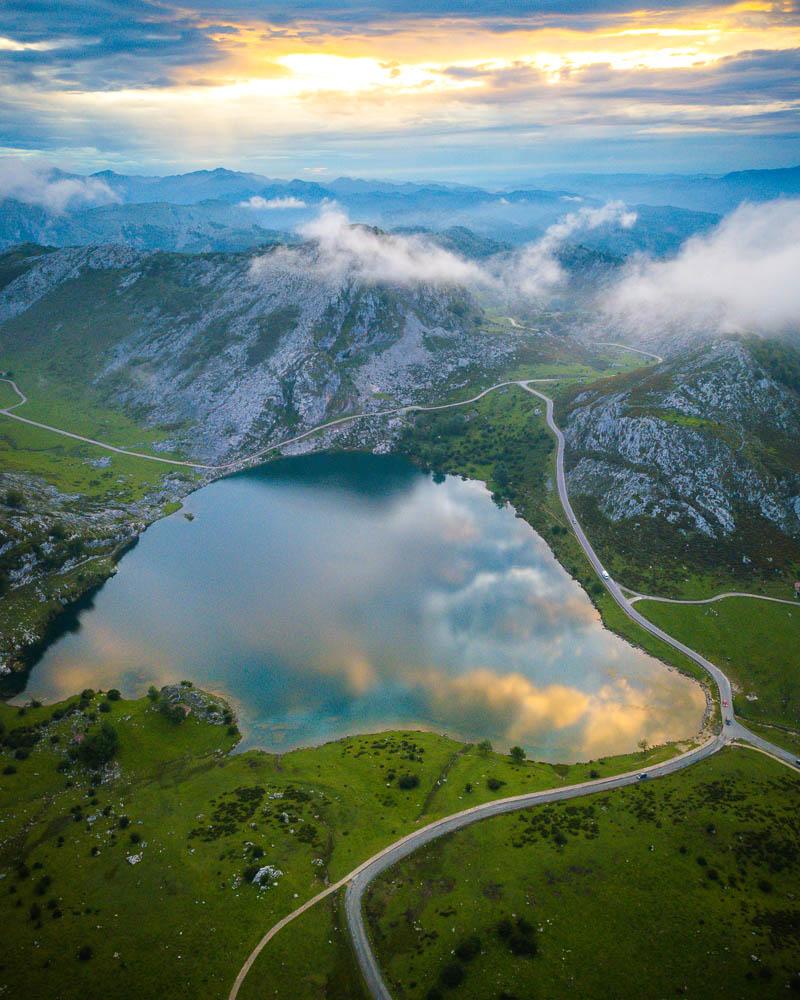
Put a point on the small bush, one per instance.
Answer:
(408, 781)
(452, 975)
(469, 948)
(113, 695)
(85, 953)
(495, 783)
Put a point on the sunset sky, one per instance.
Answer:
(490, 92)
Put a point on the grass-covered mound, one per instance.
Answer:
(139, 857)
(689, 885)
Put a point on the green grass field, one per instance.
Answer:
(683, 886)
(67, 464)
(754, 642)
(183, 918)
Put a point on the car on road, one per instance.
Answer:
(643, 776)
(605, 575)
(728, 722)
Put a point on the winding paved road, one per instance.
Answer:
(254, 456)
(360, 878)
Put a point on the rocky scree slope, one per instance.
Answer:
(697, 459)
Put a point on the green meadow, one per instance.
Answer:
(687, 885)
(136, 879)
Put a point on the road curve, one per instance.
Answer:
(254, 456)
(627, 347)
(731, 730)
(359, 879)
(710, 600)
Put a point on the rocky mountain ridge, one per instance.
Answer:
(703, 445)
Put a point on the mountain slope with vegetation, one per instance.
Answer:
(692, 468)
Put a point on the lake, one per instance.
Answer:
(334, 594)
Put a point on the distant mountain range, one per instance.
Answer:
(219, 210)
(695, 193)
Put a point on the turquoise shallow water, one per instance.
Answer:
(333, 594)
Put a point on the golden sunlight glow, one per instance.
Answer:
(447, 70)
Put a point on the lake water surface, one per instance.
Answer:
(334, 594)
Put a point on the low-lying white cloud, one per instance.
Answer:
(344, 251)
(364, 254)
(36, 184)
(261, 204)
(741, 276)
(536, 271)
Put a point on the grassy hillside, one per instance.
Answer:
(683, 886)
(135, 879)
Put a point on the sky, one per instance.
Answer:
(491, 91)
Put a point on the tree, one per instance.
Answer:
(517, 754)
(152, 693)
(485, 747)
(99, 747)
(643, 745)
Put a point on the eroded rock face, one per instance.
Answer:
(689, 442)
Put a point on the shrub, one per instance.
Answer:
(100, 747)
(452, 975)
(408, 781)
(495, 783)
(522, 945)
(85, 953)
(468, 948)
(105, 706)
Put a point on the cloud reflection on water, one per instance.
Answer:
(335, 594)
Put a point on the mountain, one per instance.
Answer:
(701, 193)
(227, 210)
(152, 226)
(692, 464)
(234, 350)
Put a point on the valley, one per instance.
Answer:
(402, 530)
